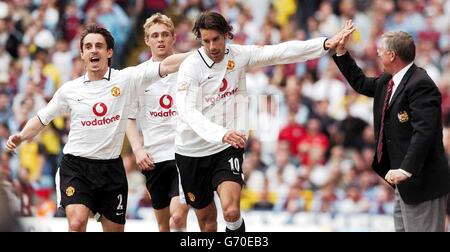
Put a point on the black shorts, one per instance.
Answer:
(101, 185)
(200, 176)
(448, 204)
(162, 183)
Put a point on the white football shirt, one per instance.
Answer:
(156, 114)
(99, 109)
(211, 97)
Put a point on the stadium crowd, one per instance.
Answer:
(311, 141)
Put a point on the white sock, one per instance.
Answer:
(234, 225)
(178, 230)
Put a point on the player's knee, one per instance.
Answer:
(231, 213)
(178, 220)
(77, 225)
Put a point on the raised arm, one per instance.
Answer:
(351, 71)
(172, 63)
(31, 129)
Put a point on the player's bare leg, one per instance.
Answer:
(77, 215)
(109, 226)
(207, 218)
(230, 198)
(162, 217)
(179, 212)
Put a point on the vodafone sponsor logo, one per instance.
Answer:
(224, 85)
(222, 94)
(166, 102)
(100, 109)
(103, 121)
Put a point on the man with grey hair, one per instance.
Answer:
(408, 130)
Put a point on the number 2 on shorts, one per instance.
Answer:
(120, 206)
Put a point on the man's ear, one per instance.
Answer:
(174, 39)
(146, 40)
(394, 55)
(81, 54)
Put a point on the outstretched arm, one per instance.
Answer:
(31, 129)
(296, 50)
(172, 63)
(44, 116)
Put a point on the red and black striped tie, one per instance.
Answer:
(380, 135)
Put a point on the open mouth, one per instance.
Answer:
(161, 46)
(95, 59)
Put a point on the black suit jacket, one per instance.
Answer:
(412, 129)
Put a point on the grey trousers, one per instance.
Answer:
(427, 216)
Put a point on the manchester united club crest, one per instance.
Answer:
(70, 191)
(191, 196)
(115, 91)
(403, 116)
(230, 65)
(182, 87)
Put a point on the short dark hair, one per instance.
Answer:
(94, 28)
(212, 21)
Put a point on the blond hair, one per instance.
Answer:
(159, 18)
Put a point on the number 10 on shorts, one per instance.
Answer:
(235, 166)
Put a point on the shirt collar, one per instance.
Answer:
(207, 60)
(106, 77)
(397, 78)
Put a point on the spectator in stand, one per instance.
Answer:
(10, 40)
(326, 199)
(6, 113)
(384, 201)
(354, 202)
(293, 133)
(8, 219)
(30, 95)
(25, 192)
(314, 143)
